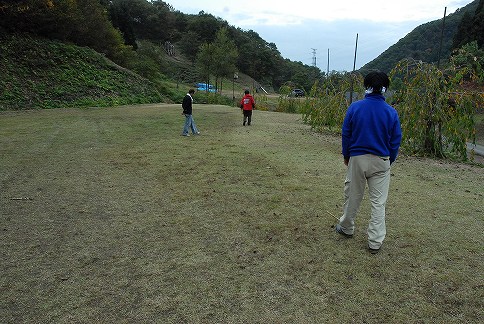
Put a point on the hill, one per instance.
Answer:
(40, 73)
(423, 42)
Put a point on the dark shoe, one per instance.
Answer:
(243, 124)
(339, 230)
(373, 251)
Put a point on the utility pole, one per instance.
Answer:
(356, 50)
(327, 69)
(441, 38)
(438, 67)
(314, 57)
(354, 67)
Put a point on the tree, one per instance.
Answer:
(217, 58)
(463, 32)
(143, 20)
(205, 61)
(436, 112)
(121, 17)
(470, 59)
(224, 55)
(471, 28)
(84, 23)
(205, 25)
(326, 105)
(190, 45)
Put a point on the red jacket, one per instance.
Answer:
(247, 102)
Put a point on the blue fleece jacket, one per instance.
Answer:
(371, 126)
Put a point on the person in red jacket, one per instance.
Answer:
(247, 104)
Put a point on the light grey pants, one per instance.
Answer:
(375, 171)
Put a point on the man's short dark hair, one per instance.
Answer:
(376, 81)
(246, 91)
(191, 91)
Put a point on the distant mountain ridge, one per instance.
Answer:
(423, 42)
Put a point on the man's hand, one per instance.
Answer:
(347, 161)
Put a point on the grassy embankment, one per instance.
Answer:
(40, 73)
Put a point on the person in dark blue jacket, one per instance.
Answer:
(371, 136)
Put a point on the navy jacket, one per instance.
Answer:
(187, 104)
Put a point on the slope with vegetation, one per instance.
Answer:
(49, 74)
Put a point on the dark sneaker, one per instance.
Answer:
(339, 230)
(373, 251)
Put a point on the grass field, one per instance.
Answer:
(108, 215)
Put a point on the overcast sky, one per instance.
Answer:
(299, 26)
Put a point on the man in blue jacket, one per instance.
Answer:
(371, 136)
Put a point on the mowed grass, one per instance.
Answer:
(108, 215)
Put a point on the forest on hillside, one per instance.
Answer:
(126, 30)
(435, 40)
(140, 34)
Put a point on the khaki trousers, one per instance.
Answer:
(375, 171)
